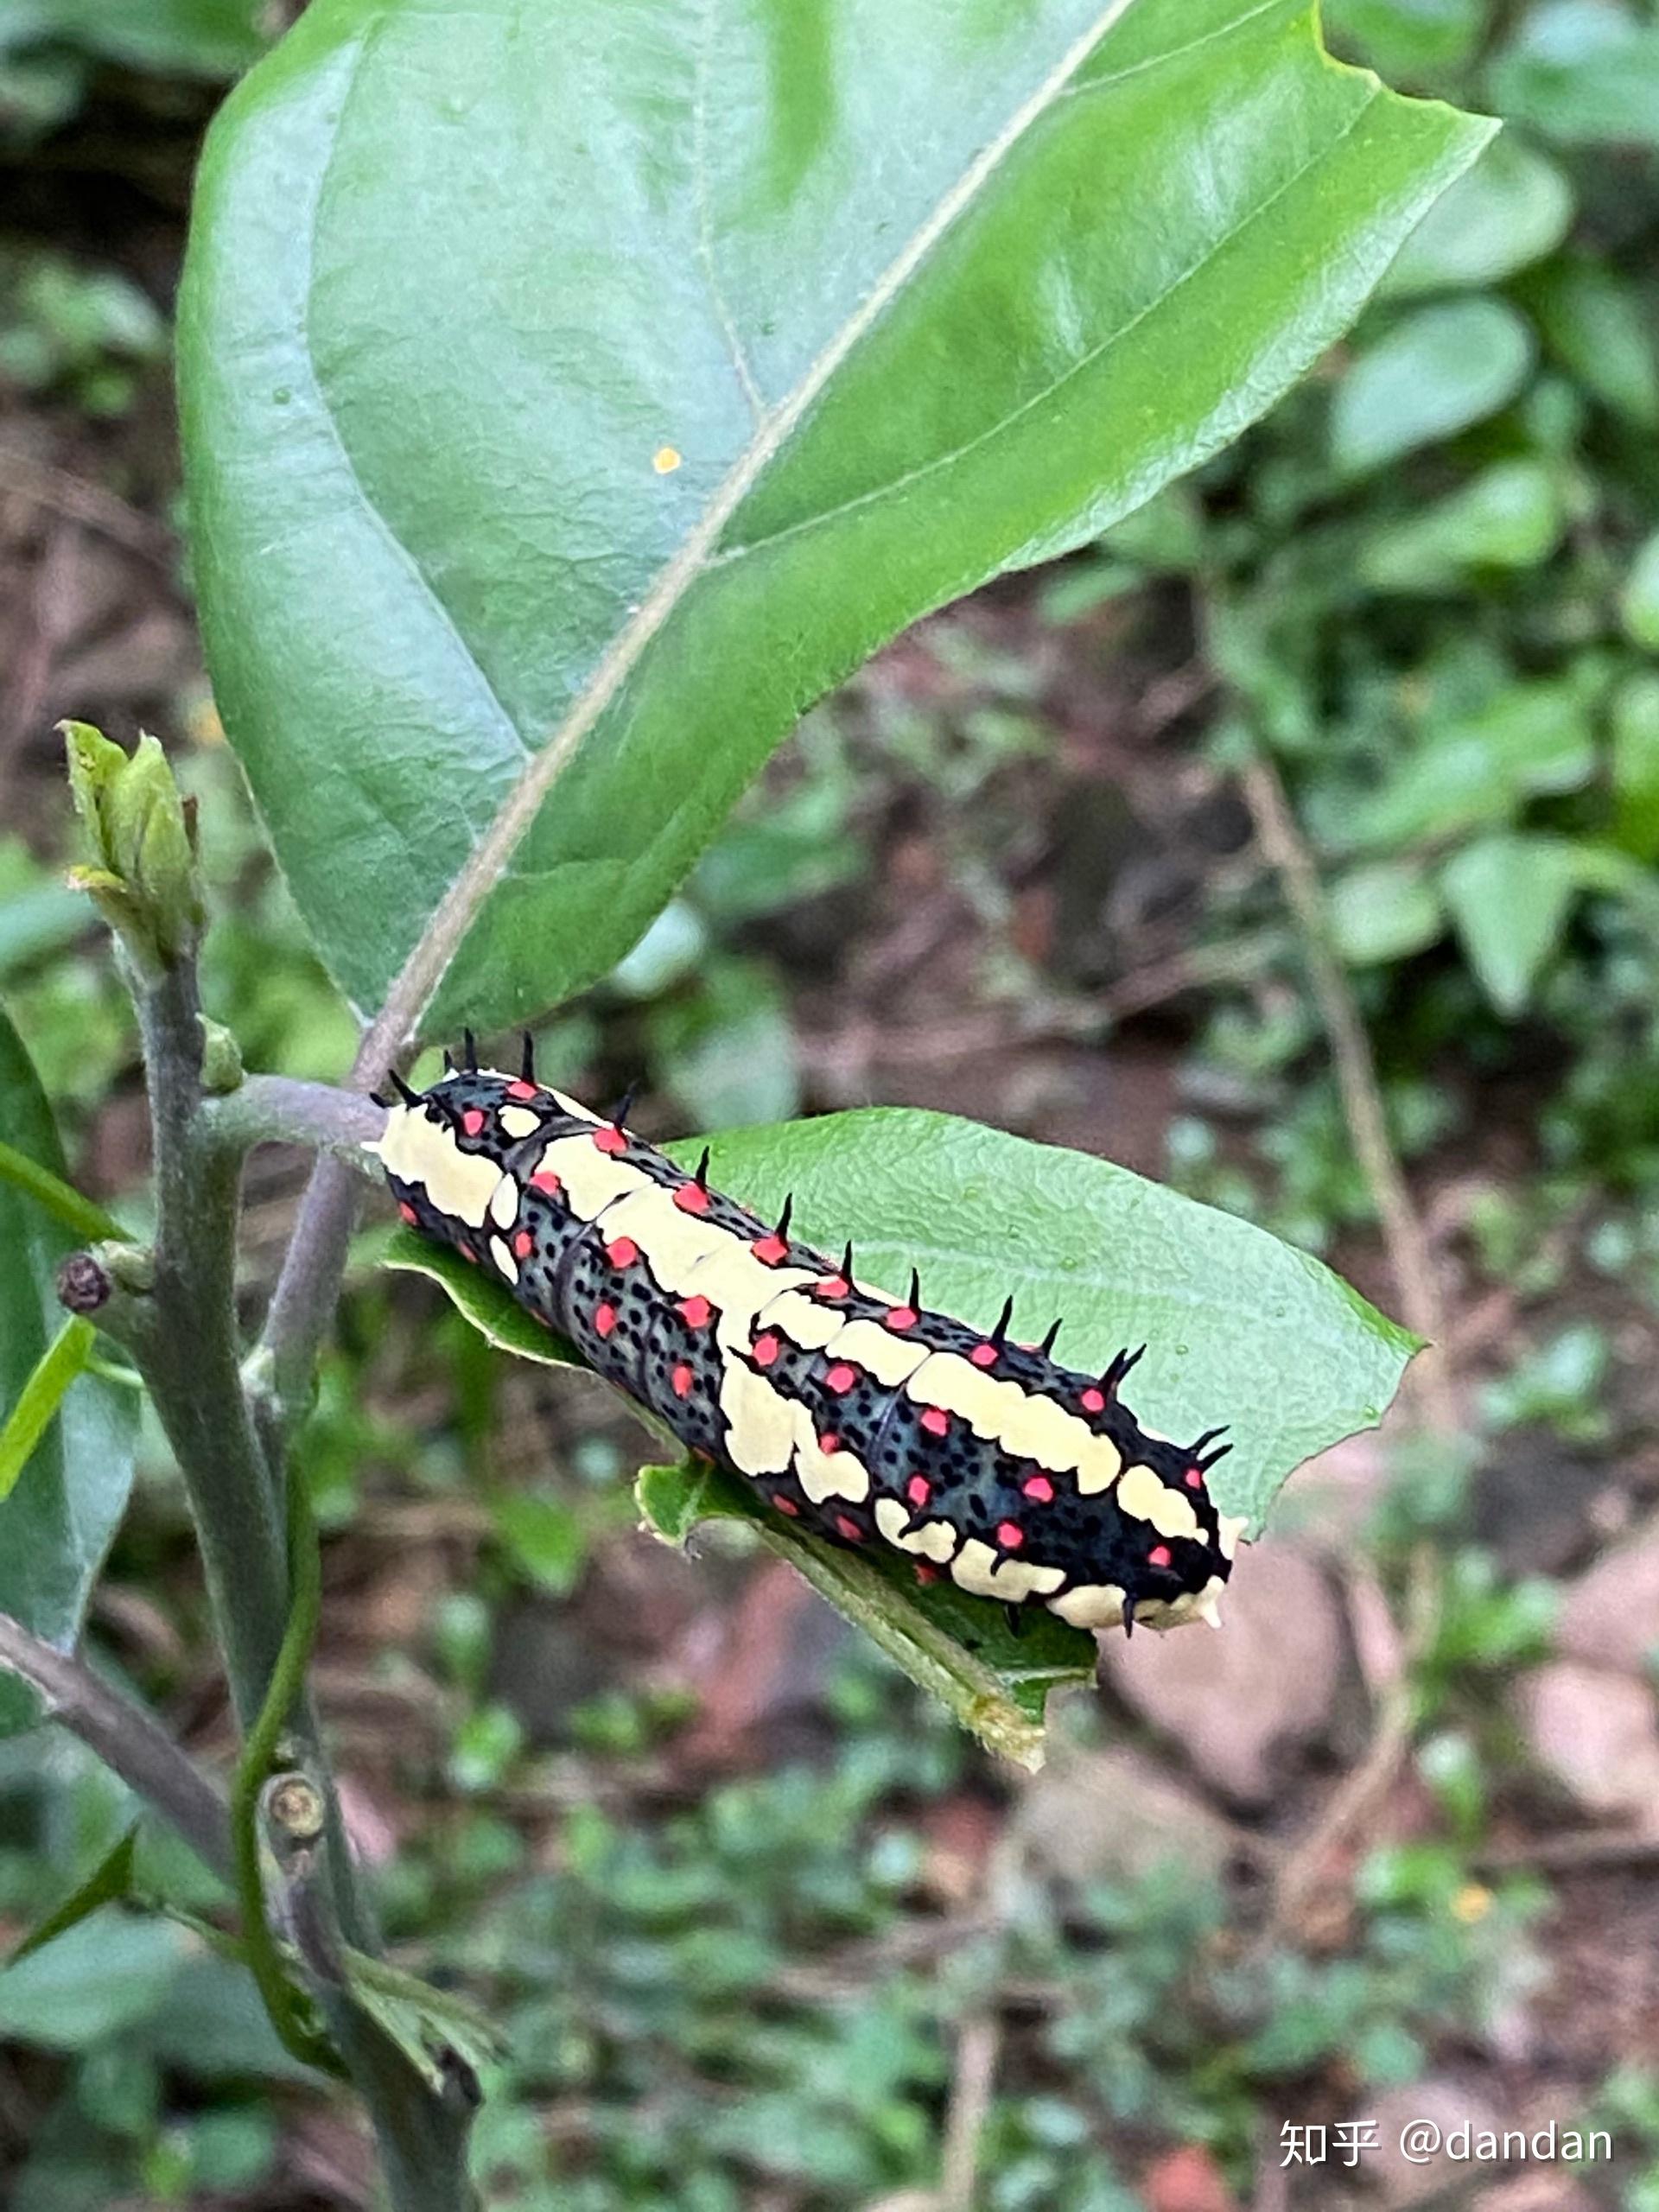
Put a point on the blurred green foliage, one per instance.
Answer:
(1430, 586)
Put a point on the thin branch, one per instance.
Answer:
(91, 504)
(276, 1110)
(1282, 845)
(1364, 1788)
(126, 1738)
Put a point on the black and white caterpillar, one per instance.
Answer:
(854, 1411)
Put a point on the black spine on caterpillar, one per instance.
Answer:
(854, 1412)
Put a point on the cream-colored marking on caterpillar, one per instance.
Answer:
(934, 1540)
(1141, 1493)
(1026, 1426)
(1091, 1604)
(825, 1474)
(1230, 1528)
(419, 1151)
(807, 1324)
(760, 1424)
(504, 1206)
(519, 1122)
(574, 1108)
(986, 1573)
(876, 1350)
(504, 1259)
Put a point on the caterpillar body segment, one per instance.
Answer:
(854, 1412)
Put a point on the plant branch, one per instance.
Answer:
(126, 1738)
(276, 1110)
(1364, 1788)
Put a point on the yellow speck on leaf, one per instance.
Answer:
(1472, 1903)
(666, 460)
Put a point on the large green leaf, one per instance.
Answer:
(571, 383)
(196, 38)
(56, 1525)
(1241, 1328)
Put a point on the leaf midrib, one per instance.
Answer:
(438, 944)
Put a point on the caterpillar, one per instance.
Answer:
(854, 1412)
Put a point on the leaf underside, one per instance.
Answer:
(567, 383)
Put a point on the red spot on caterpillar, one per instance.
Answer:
(604, 1320)
(841, 1376)
(918, 1489)
(472, 1120)
(983, 1355)
(468, 1253)
(1194, 1478)
(834, 1287)
(1010, 1536)
(1039, 1487)
(695, 1311)
(765, 1349)
(547, 1182)
(849, 1528)
(935, 1420)
(622, 1253)
(611, 1139)
(901, 1317)
(1093, 1401)
(787, 1505)
(829, 1442)
(520, 1089)
(770, 1249)
(691, 1197)
(523, 1244)
(408, 1211)
(680, 1382)
(924, 1574)
(1159, 1555)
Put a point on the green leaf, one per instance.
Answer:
(1636, 763)
(1511, 208)
(1595, 322)
(1508, 517)
(109, 1883)
(1510, 898)
(1241, 1328)
(57, 1523)
(994, 1682)
(1530, 739)
(196, 38)
(1385, 911)
(565, 386)
(97, 1978)
(481, 1298)
(1433, 374)
(1585, 71)
(1422, 40)
(1638, 599)
(64, 1358)
(427, 2025)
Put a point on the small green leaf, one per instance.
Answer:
(431, 2027)
(101, 1976)
(55, 1526)
(1597, 324)
(1510, 209)
(64, 1358)
(1507, 516)
(1638, 599)
(1634, 720)
(1433, 374)
(144, 880)
(481, 1299)
(1510, 899)
(543, 1536)
(1386, 911)
(1584, 71)
(109, 1883)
